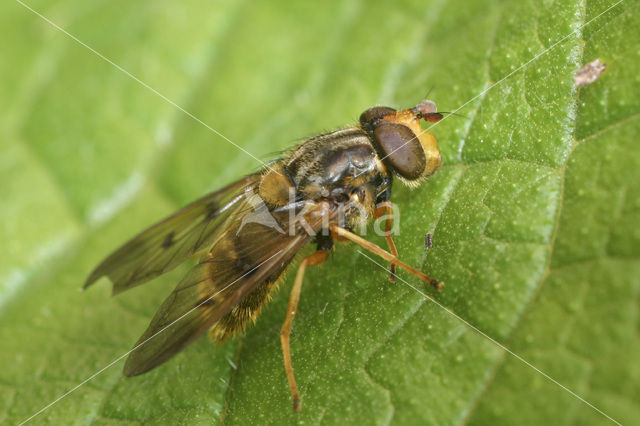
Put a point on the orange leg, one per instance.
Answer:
(314, 259)
(375, 249)
(381, 209)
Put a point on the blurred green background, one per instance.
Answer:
(534, 213)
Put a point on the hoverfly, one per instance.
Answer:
(246, 234)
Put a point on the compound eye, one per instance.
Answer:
(374, 114)
(401, 149)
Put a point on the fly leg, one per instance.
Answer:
(375, 249)
(314, 259)
(381, 209)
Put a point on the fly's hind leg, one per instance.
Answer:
(314, 259)
(381, 209)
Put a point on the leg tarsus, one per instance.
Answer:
(379, 251)
(382, 208)
(314, 259)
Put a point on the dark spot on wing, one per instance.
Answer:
(168, 241)
(212, 210)
(206, 302)
(245, 266)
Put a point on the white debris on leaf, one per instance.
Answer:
(589, 73)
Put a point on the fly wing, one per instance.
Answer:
(248, 254)
(171, 241)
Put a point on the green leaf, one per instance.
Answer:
(534, 213)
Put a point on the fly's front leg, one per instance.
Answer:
(314, 259)
(338, 232)
(381, 209)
